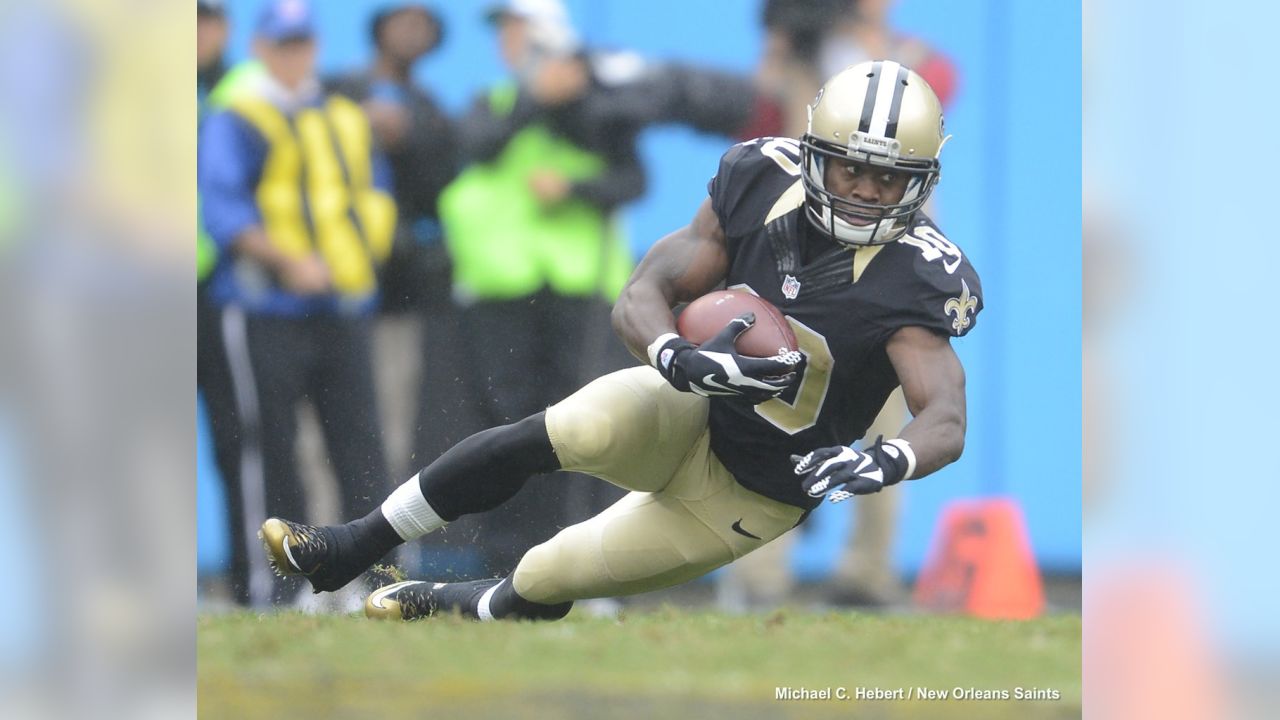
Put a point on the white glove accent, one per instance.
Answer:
(733, 373)
(656, 346)
(846, 455)
(862, 466)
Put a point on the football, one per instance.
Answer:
(709, 314)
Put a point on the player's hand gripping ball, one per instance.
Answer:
(717, 356)
(771, 335)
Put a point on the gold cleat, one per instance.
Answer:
(326, 556)
(292, 548)
(398, 601)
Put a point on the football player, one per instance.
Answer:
(827, 228)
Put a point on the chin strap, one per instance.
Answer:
(830, 223)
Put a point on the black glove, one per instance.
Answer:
(844, 472)
(715, 369)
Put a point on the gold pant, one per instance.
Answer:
(634, 430)
(866, 560)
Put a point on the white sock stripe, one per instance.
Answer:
(910, 454)
(482, 608)
(409, 512)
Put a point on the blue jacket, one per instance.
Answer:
(232, 155)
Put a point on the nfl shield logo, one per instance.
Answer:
(790, 287)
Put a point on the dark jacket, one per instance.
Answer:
(625, 95)
(426, 159)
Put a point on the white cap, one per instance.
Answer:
(533, 10)
(549, 25)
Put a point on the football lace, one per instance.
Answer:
(790, 357)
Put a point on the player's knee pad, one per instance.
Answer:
(564, 568)
(538, 575)
(587, 436)
(608, 421)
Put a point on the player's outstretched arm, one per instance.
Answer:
(933, 383)
(682, 266)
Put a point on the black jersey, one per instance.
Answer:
(843, 304)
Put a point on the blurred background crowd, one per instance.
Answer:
(414, 219)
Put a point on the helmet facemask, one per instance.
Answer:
(890, 222)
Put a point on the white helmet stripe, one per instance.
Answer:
(895, 108)
(888, 80)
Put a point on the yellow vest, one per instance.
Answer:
(316, 192)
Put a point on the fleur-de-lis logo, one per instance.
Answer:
(961, 307)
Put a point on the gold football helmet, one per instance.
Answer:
(883, 114)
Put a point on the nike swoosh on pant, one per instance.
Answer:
(737, 527)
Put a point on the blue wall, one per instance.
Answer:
(1010, 197)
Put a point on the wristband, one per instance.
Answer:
(656, 346)
(904, 447)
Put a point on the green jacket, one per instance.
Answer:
(504, 245)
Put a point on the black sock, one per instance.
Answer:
(488, 468)
(504, 457)
(460, 597)
(505, 604)
(371, 537)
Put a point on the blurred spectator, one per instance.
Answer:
(807, 41)
(788, 70)
(417, 139)
(425, 405)
(296, 201)
(211, 42)
(419, 333)
(862, 32)
(216, 85)
(213, 375)
(530, 229)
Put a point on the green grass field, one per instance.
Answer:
(660, 663)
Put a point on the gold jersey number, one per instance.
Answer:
(802, 413)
